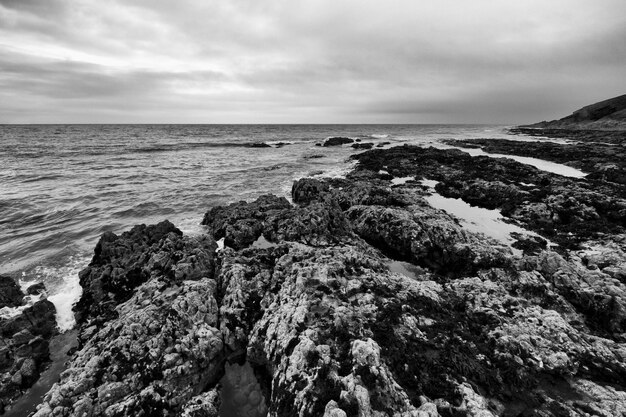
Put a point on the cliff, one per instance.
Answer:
(605, 115)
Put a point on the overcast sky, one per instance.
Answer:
(309, 61)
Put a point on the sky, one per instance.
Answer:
(307, 61)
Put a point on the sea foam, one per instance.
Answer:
(63, 287)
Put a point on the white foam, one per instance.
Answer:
(64, 288)
(29, 300)
(383, 172)
(191, 227)
(339, 172)
(382, 136)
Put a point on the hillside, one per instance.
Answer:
(605, 115)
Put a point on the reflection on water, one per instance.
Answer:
(406, 269)
(476, 219)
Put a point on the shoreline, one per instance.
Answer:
(319, 307)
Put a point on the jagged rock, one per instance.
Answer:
(337, 141)
(24, 348)
(311, 320)
(316, 224)
(36, 289)
(276, 220)
(363, 145)
(258, 145)
(241, 223)
(367, 190)
(426, 237)
(10, 293)
(305, 190)
(160, 351)
(567, 211)
(602, 161)
(120, 264)
(206, 404)
(601, 298)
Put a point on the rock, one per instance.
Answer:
(258, 145)
(306, 190)
(120, 264)
(363, 145)
(337, 141)
(24, 348)
(241, 223)
(39, 319)
(603, 161)
(605, 115)
(10, 293)
(566, 211)
(426, 237)
(125, 369)
(301, 313)
(36, 289)
(206, 404)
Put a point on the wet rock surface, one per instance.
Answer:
(337, 141)
(602, 161)
(24, 342)
(313, 322)
(567, 211)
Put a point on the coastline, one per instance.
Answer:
(329, 329)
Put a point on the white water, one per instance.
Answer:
(8, 312)
(64, 288)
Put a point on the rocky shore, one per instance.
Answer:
(24, 340)
(299, 309)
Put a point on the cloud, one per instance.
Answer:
(307, 61)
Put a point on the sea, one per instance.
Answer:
(63, 186)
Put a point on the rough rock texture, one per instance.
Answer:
(301, 314)
(122, 263)
(565, 210)
(364, 145)
(602, 161)
(10, 293)
(24, 342)
(161, 350)
(337, 141)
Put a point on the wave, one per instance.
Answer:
(63, 286)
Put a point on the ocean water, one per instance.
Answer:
(62, 186)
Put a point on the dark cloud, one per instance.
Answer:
(308, 61)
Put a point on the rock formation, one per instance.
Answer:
(314, 322)
(24, 341)
(605, 115)
(337, 141)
